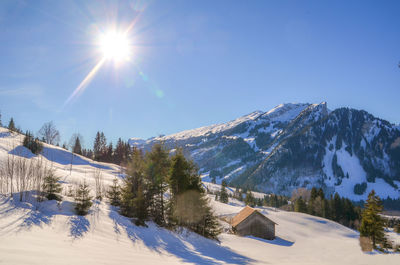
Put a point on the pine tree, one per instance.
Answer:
(109, 153)
(120, 153)
(207, 226)
(157, 172)
(336, 208)
(77, 149)
(314, 193)
(321, 193)
(134, 196)
(249, 200)
(223, 197)
(96, 146)
(52, 187)
(189, 205)
(11, 125)
(182, 179)
(83, 200)
(300, 206)
(114, 193)
(372, 225)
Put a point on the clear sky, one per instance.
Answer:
(193, 63)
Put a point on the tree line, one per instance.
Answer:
(102, 150)
(335, 208)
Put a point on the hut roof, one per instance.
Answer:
(244, 213)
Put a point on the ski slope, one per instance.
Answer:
(50, 233)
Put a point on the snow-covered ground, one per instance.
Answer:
(48, 233)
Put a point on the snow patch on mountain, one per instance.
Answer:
(353, 174)
(285, 112)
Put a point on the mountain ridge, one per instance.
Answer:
(297, 145)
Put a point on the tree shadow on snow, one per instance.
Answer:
(277, 241)
(4, 134)
(79, 226)
(59, 156)
(317, 220)
(65, 157)
(190, 247)
(22, 151)
(39, 214)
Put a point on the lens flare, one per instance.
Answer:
(85, 81)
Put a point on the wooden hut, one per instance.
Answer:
(250, 221)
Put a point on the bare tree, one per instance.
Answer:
(21, 175)
(49, 133)
(301, 192)
(99, 183)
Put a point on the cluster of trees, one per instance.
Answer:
(336, 208)
(104, 152)
(150, 176)
(271, 200)
(276, 201)
(390, 204)
(223, 196)
(32, 143)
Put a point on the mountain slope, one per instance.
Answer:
(298, 145)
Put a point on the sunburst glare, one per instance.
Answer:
(115, 46)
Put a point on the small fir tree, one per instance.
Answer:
(52, 187)
(223, 197)
(372, 224)
(114, 193)
(11, 125)
(77, 148)
(83, 200)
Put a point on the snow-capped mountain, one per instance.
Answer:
(297, 145)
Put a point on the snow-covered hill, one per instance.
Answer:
(297, 145)
(50, 233)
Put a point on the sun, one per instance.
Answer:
(115, 46)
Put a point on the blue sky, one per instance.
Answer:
(194, 63)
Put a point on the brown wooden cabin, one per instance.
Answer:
(250, 221)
